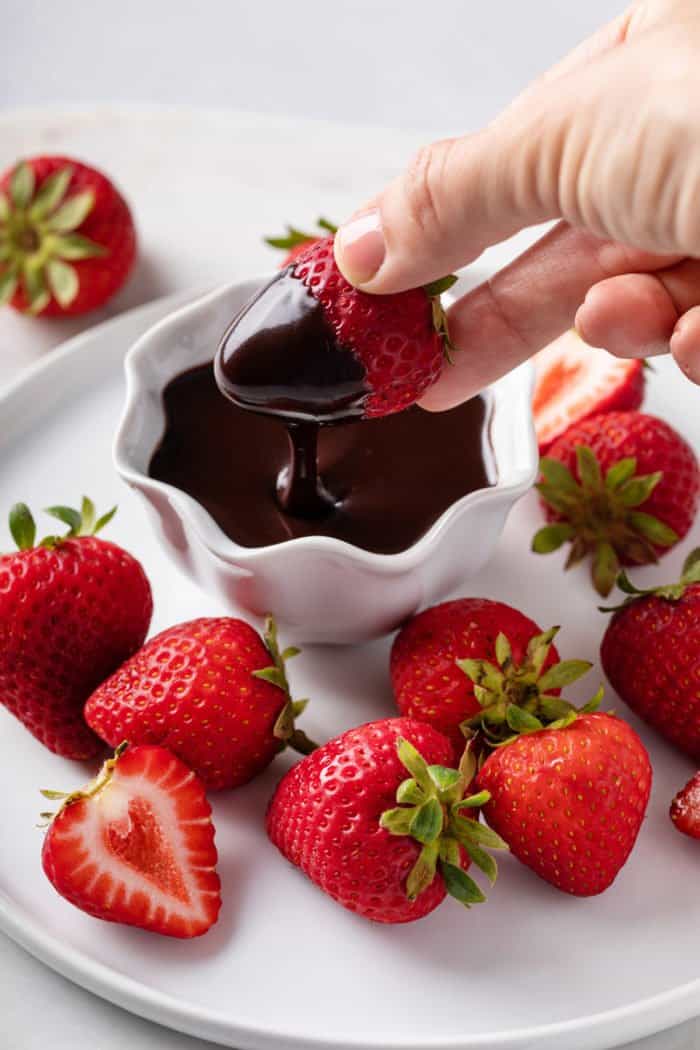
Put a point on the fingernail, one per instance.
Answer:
(360, 247)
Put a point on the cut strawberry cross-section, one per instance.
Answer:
(136, 845)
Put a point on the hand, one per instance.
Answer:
(609, 142)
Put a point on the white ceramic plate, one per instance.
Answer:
(286, 967)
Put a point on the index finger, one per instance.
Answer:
(505, 321)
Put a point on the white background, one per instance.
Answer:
(426, 70)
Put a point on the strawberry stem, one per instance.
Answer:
(284, 729)
(431, 810)
(521, 698)
(600, 515)
(83, 522)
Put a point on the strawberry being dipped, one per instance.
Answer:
(72, 608)
(136, 845)
(212, 691)
(293, 242)
(622, 488)
(651, 655)
(569, 799)
(67, 238)
(685, 809)
(311, 348)
(574, 381)
(434, 659)
(378, 819)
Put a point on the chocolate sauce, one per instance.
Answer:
(280, 357)
(391, 478)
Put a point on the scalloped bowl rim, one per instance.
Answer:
(513, 391)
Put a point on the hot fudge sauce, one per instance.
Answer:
(280, 357)
(391, 478)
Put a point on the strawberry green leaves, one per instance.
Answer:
(432, 810)
(83, 522)
(294, 237)
(520, 698)
(600, 515)
(276, 674)
(671, 592)
(434, 290)
(38, 238)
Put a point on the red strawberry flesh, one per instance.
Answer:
(137, 847)
(574, 381)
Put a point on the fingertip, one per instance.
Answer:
(685, 344)
(631, 315)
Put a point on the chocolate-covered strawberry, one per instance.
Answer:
(67, 238)
(651, 655)
(310, 348)
(622, 488)
(213, 691)
(381, 821)
(400, 340)
(72, 608)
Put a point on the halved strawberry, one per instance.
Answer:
(574, 381)
(136, 845)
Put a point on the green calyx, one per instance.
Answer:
(520, 698)
(89, 791)
(671, 592)
(38, 238)
(293, 237)
(434, 291)
(432, 810)
(601, 515)
(276, 674)
(83, 522)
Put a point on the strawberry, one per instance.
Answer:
(67, 238)
(574, 381)
(651, 655)
(685, 808)
(136, 845)
(72, 608)
(212, 691)
(335, 815)
(569, 800)
(294, 241)
(400, 340)
(433, 661)
(623, 487)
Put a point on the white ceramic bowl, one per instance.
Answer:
(320, 589)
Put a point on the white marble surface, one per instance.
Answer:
(205, 185)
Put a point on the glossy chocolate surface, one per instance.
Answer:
(391, 478)
(280, 356)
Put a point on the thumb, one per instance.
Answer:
(461, 195)
(456, 197)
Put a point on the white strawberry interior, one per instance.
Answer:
(109, 821)
(571, 378)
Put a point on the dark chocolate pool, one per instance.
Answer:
(391, 478)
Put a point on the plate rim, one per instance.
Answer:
(634, 1020)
